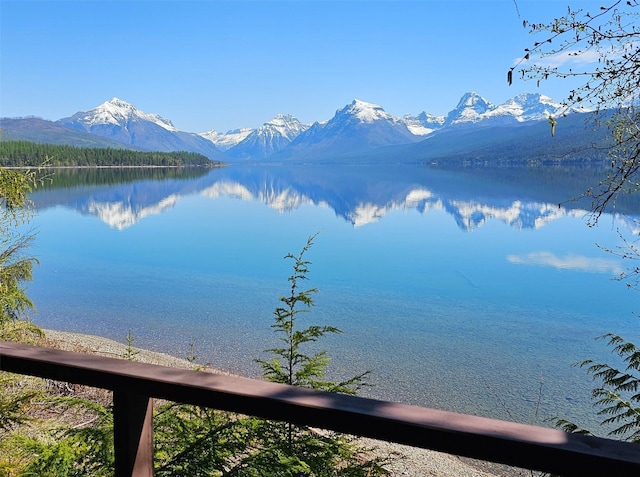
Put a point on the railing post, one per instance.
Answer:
(133, 434)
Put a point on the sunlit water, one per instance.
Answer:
(454, 293)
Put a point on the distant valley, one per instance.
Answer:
(474, 132)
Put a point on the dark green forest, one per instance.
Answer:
(32, 154)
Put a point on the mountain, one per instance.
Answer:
(271, 137)
(474, 131)
(423, 124)
(224, 141)
(356, 128)
(529, 107)
(126, 124)
(470, 109)
(473, 109)
(524, 142)
(43, 131)
(118, 113)
(365, 132)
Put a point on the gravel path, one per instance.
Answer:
(406, 461)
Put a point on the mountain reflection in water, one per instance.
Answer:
(520, 197)
(473, 290)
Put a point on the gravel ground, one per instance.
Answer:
(406, 461)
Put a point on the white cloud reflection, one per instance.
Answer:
(569, 262)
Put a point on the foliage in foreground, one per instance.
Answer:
(15, 265)
(618, 395)
(79, 450)
(611, 36)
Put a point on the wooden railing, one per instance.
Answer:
(134, 386)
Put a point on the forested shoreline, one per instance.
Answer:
(32, 154)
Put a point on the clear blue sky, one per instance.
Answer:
(222, 64)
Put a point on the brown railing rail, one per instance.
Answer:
(134, 385)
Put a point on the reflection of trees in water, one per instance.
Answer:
(72, 177)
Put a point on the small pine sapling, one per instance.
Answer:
(285, 449)
(290, 364)
(130, 353)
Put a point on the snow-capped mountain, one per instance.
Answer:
(361, 127)
(528, 107)
(470, 109)
(116, 113)
(379, 127)
(363, 112)
(271, 137)
(473, 109)
(360, 113)
(355, 132)
(356, 128)
(123, 122)
(225, 141)
(423, 124)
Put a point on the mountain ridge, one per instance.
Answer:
(356, 130)
(123, 122)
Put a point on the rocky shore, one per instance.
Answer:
(407, 461)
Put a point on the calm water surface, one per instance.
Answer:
(465, 291)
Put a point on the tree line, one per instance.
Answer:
(32, 154)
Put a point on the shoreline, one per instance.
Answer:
(407, 461)
(214, 165)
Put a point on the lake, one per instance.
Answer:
(469, 290)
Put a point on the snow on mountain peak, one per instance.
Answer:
(119, 112)
(269, 138)
(367, 112)
(119, 103)
(285, 125)
(528, 107)
(423, 124)
(473, 109)
(283, 120)
(470, 109)
(358, 124)
(474, 102)
(224, 141)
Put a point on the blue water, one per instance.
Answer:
(482, 312)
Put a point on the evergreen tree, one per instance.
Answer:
(30, 154)
(283, 448)
(16, 266)
(290, 364)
